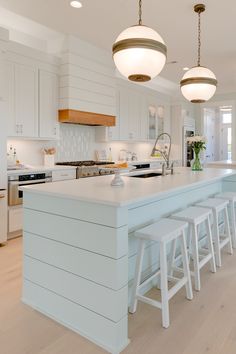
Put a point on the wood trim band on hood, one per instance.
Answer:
(85, 118)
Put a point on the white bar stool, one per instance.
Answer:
(163, 231)
(197, 216)
(217, 206)
(231, 197)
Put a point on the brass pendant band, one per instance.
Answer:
(198, 80)
(139, 78)
(198, 101)
(139, 43)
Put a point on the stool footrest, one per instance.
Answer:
(224, 241)
(149, 301)
(146, 281)
(181, 282)
(205, 260)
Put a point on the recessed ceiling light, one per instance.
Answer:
(76, 4)
(185, 68)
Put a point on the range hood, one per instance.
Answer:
(85, 118)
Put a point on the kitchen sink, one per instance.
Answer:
(148, 174)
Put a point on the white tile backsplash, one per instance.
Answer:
(77, 142)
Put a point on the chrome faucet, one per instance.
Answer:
(164, 154)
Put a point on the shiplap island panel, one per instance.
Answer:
(79, 249)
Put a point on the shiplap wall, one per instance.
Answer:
(87, 81)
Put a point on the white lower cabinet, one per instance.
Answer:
(3, 216)
(63, 175)
(15, 220)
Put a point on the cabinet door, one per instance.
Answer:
(124, 113)
(48, 105)
(26, 100)
(134, 120)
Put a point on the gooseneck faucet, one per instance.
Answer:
(164, 154)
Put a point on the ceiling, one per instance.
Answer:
(100, 22)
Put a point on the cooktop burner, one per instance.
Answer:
(84, 163)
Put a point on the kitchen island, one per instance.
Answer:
(79, 249)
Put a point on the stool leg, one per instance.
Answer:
(196, 258)
(172, 257)
(232, 215)
(190, 236)
(227, 229)
(216, 238)
(137, 277)
(210, 244)
(164, 286)
(188, 285)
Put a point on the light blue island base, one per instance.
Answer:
(79, 254)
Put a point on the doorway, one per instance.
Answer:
(218, 132)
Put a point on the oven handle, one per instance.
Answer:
(21, 183)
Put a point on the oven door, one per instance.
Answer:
(15, 196)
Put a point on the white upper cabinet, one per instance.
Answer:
(23, 100)
(132, 115)
(32, 93)
(48, 104)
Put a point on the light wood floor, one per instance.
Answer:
(205, 325)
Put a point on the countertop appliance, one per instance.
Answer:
(89, 168)
(15, 196)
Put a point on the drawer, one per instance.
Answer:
(63, 175)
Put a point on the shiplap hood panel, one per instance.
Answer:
(86, 118)
(87, 85)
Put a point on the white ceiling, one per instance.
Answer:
(100, 22)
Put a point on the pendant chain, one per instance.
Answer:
(199, 39)
(140, 13)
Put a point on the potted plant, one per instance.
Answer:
(198, 144)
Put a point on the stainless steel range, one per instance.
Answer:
(89, 168)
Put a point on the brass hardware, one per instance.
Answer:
(198, 80)
(198, 101)
(139, 43)
(199, 8)
(139, 78)
(2, 196)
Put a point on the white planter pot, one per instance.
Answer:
(49, 160)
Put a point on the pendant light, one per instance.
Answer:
(139, 52)
(198, 84)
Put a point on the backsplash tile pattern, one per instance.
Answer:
(76, 142)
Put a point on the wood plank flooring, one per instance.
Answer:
(205, 325)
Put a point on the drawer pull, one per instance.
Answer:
(2, 196)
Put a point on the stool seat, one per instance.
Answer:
(227, 195)
(164, 229)
(193, 214)
(213, 203)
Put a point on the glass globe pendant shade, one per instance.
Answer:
(139, 53)
(198, 84)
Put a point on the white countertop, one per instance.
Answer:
(135, 190)
(223, 163)
(38, 169)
